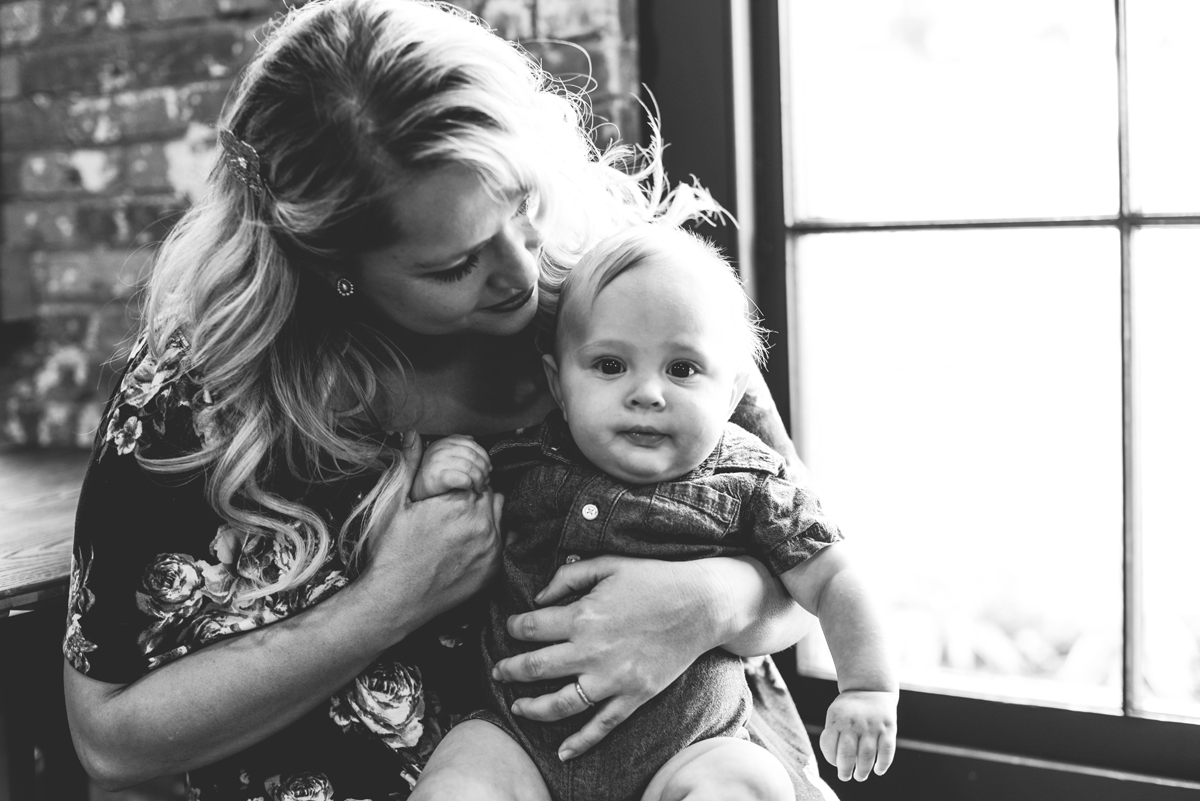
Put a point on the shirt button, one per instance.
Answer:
(590, 512)
(572, 558)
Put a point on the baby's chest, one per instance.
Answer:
(557, 512)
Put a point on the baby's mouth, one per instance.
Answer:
(644, 436)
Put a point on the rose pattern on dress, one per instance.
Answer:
(124, 436)
(171, 594)
(195, 603)
(300, 787)
(387, 700)
(150, 376)
(153, 389)
(79, 600)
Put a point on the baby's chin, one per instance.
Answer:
(640, 474)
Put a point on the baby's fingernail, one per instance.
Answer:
(565, 754)
(496, 674)
(537, 599)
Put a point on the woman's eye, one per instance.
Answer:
(459, 271)
(525, 206)
(610, 367)
(681, 370)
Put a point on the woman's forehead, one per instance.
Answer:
(447, 211)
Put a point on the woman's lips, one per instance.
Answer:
(513, 303)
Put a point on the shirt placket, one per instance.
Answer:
(587, 520)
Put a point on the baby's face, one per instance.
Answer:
(648, 376)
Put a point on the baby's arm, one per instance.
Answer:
(453, 463)
(860, 727)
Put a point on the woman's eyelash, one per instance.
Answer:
(523, 209)
(458, 272)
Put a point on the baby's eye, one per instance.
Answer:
(610, 366)
(681, 370)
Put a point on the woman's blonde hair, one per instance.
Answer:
(342, 99)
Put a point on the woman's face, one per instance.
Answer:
(466, 261)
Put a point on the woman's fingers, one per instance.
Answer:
(411, 451)
(549, 624)
(551, 662)
(497, 513)
(609, 715)
(574, 578)
(557, 705)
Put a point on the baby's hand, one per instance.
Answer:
(860, 731)
(454, 463)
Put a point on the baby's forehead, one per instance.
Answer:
(710, 313)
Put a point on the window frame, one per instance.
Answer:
(732, 47)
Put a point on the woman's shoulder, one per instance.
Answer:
(159, 408)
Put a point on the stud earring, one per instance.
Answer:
(344, 287)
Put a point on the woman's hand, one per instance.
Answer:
(440, 551)
(640, 625)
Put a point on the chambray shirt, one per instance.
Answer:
(737, 502)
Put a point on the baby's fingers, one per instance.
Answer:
(828, 742)
(847, 754)
(866, 758)
(886, 752)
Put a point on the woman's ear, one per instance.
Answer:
(551, 368)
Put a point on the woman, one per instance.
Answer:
(399, 191)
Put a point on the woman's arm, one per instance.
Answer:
(223, 698)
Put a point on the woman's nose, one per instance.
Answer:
(646, 393)
(517, 251)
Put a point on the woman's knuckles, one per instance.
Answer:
(563, 706)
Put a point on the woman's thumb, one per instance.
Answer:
(411, 449)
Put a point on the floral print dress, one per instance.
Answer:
(156, 575)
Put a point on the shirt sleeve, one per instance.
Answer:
(786, 523)
(141, 537)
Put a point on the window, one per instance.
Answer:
(976, 228)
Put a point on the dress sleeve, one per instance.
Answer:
(141, 538)
(786, 523)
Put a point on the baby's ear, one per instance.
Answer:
(551, 368)
(739, 389)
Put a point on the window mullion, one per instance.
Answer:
(1131, 529)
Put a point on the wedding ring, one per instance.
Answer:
(583, 696)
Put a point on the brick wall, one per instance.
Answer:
(106, 114)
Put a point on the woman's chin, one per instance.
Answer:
(506, 323)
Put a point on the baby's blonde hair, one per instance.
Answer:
(626, 250)
(342, 99)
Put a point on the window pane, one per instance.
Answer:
(1164, 119)
(1166, 336)
(940, 109)
(960, 409)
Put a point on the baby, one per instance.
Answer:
(653, 347)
